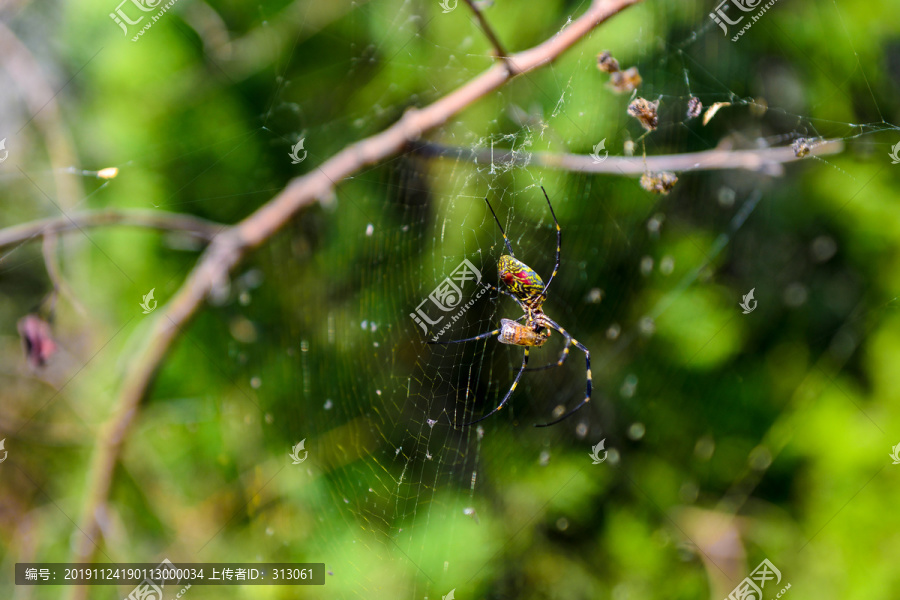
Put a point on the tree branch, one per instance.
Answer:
(768, 160)
(232, 245)
(488, 31)
(152, 219)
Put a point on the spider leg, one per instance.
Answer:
(505, 239)
(558, 245)
(508, 394)
(507, 292)
(547, 322)
(562, 358)
(471, 339)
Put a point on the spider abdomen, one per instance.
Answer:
(521, 279)
(517, 334)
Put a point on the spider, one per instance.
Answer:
(528, 290)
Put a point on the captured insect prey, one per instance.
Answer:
(527, 288)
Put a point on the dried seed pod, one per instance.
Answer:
(625, 81)
(712, 110)
(37, 340)
(606, 62)
(659, 183)
(694, 107)
(801, 147)
(645, 112)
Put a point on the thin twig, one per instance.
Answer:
(768, 160)
(60, 286)
(488, 31)
(152, 219)
(232, 245)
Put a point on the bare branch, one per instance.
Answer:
(768, 160)
(488, 31)
(152, 219)
(231, 246)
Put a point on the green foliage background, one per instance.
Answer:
(733, 437)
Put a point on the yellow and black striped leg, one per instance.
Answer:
(558, 244)
(562, 358)
(496, 220)
(587, 360)
(471, 339)
(509, 393)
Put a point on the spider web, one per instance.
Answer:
(390, 480)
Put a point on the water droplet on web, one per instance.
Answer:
(795, 295)
(562, 523)
(479, 431)
(544, 458)
(364, 324)
(370, 229)
(704, 448)
(255, 383)
(636, 431)
(270, 531)
(613, 331)
(581, 431)
(823, 248)
(328, 404)
(378, 392)
(375, 344)
(346, 501)
(595, 296)
(646, 266)
(667, 265)
(470, 512)
(558, 411)
(654, 224)
(629, 386)
(613, 456)
(647, 326)
(726, 197)
(244, 298)
(431, 422)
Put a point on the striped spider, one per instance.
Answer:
(527, 288)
